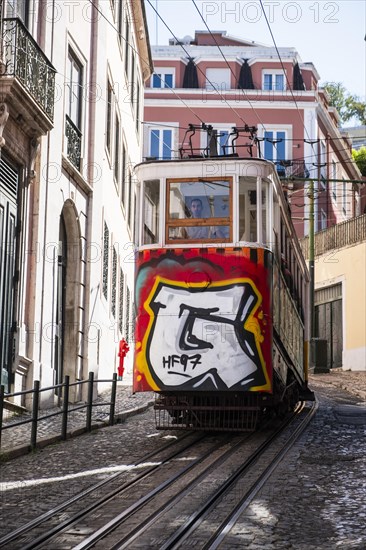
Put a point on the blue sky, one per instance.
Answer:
(329, 34)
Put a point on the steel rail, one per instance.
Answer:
(46, 536)
(231, 519)
(13, 535)
(119, 519)
(197, 517)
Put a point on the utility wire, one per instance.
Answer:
(189, 56)
(227, 63)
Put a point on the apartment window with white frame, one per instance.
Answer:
(274, 148)
(123, 171)
(160, 143)
(137, 105)
(73, 108)
(273, 80)
(132, 79)
(120, 20)
(117, 140)
(127, 42)
(163, 77)
(218, 79)
(109, 108)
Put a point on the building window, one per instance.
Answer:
(120, 20)
(109, 117)
(116, 166)
(160, 144)
(114, 282)
(275, 149)
(274, 81)
(130, 200)
(132, 79)
(124, 163)
(74, 83)
(105, 274)
(121, 300)
(127, 40)
(163, 78)
(137, 110)
(218, 79)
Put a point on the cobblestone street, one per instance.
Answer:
(314, 500)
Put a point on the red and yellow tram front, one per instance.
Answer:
(203, 320)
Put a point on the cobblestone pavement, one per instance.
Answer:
(15, 441)
(315, 500)
(316, 497)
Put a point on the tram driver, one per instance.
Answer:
(201, 231)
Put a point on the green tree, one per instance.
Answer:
(348, 106)
(360, 159)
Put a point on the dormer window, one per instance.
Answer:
(274, 81)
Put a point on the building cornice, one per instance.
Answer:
(142, 38)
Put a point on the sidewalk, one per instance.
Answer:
(16, 441)
(352, 381)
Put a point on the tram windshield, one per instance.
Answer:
(199, 209)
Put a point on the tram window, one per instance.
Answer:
(151, 212)
(199, 209)
(248, 210)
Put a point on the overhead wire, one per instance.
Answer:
(317, 154)
(140, 56)
(227, 63)
(198, 68)
(237, 114)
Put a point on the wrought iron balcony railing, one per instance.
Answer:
(73, 136)
(23, 59)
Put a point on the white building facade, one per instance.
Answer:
(67, 191)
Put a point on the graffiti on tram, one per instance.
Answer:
(200, 330)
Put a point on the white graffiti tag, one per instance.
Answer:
(198, 339)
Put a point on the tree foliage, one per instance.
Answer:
(360, 159)
(348, 106)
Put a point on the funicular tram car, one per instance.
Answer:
(221, 293)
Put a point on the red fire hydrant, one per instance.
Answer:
(123, 349)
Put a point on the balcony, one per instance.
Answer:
(27, 78)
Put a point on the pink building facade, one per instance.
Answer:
(244, 83)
